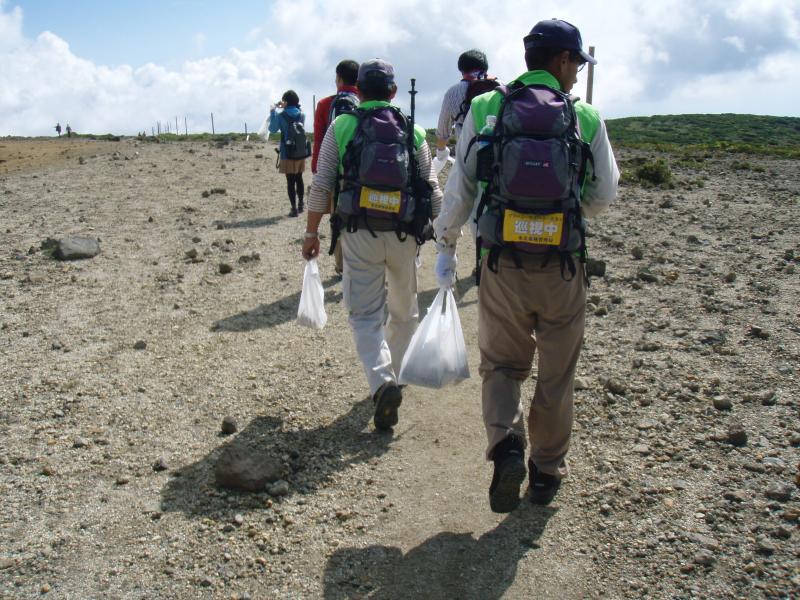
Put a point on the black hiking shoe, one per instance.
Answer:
(541, 486)
(509, 473)
(387, 399)
(293, 212)
(300, 207)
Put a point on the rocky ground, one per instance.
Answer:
(119, 370)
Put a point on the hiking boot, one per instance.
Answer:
(541, 486)
(387, 399)
(300, 207)
(509, 473)
(293, 212)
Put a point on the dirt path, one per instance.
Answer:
(692, 331)
(25, 155)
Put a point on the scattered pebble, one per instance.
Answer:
(229, 426)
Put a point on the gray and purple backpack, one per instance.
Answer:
(534, 163)
(380, 187)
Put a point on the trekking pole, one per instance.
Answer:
(411, 154)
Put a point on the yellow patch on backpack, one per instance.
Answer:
(380, 200)
(532, 229)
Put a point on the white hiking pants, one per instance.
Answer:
(369, 264)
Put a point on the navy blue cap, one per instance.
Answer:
(555, 33)
(376, 70)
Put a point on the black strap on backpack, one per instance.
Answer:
(484, 84)
(345, 97)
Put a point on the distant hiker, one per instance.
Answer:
(58, 129)
(69, 130)
(344, 100)
(294, 145)
(386, 199)
(556, 167)
(475, 81)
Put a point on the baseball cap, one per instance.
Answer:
(376, 70)
(555, 33)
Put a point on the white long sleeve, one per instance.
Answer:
(599, 193)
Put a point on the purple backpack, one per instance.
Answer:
(534, 163)
(377, 171)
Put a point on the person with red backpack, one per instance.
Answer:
(344, 100)
(294, 146)
(544, 163)
(378, 160)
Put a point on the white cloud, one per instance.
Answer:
(10, 27)
(655, 57)
(735, 41)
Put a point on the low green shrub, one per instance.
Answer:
(655, 173)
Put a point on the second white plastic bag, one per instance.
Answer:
(311, 312)
(437, 355)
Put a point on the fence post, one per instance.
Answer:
(212, 123)
(590, 78)
(185, 127)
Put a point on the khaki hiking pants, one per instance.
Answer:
(369, 264)
(521, 311)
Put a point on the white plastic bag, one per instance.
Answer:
(311, 311)
(438, 165)
(437, 354)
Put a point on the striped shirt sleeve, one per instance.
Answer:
(324, 180)
(451, 105)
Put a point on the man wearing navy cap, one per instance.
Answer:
(532, 290)
(377, 251)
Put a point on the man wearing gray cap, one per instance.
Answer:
(544, 162)
(388, 194)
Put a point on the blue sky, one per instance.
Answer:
(114, 32)
(120, 67)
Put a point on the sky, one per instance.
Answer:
(120, 67)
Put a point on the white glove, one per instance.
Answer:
(445, 269)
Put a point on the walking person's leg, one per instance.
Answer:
(364, 293)
(506, 319)
(291, 189)
(559, 335)
(401, 272)
(300, 191)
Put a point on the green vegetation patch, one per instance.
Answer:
(696, 134)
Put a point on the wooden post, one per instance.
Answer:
(158, 127)
(245, 129)
(212, 123)
(177, 131)
(590, 78)
(185, 127)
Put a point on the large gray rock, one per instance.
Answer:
(76, 248)
(242, 469)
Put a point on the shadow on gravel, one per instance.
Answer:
(312, 457)
(448, 565)
(250, 223)
(462, 286)
(273, 314)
